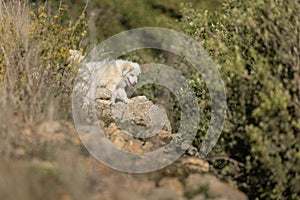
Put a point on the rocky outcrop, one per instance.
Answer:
(139, 127)
(187, 178)
(53, 149)
(128, 125)
(139, 111)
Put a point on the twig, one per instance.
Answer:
(235, 162)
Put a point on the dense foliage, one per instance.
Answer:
(113, 16)
(257, 47)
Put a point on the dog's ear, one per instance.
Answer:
(126, 67)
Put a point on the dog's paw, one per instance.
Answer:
(126, 100)
(112, 103)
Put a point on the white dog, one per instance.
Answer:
(117, 75)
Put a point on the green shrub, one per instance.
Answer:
(113, 16)
(256, 45)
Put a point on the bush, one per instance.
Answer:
(34, 67)
(256, 45)
(113, 16)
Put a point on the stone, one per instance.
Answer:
(172, 184)
(199, 197)
(134, 146)
(139, 117)
(103, 93)
(212, 187)
(49, 127)
(111, 129)
(103, 110)
(147, 146)
(118, 141)
(195, 164)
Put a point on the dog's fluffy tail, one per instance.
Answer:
(75, 57)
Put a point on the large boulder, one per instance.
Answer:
(140, 116)
(139, 126)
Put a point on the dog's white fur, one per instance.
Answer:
(75, 57)
(115, 76)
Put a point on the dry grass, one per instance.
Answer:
(35, 75)
(35, 85)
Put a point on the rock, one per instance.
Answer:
(165, 136)
(104, 182)
(57, 132)
(162, 138)
(66, 197)
(194, 164)
(114, 131)
(135, 146)
(199, 197)
(101, 123)
(212, 187)
(195, 182)
(147, 146)
(172, 184)
(120, 112)
(144, 112)
(118, 137)
(102, 93)
(164, 194)
(126, 124)
(135, 106)
(225, 191)
(20, 152)
(139, 116)
(111, 129)
(103, 110)
(118, 141)
(43, 164)
(192, 151)
(49, 127)
(125, 141)
(121, 186)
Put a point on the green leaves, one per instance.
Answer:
(257, 46)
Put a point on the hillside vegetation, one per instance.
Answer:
(256, 46)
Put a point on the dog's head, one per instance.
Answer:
(131, 71)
